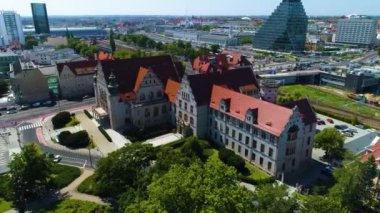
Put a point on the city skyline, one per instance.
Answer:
(194, 7)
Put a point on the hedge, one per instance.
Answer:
(77, 140)
(61, 119)
(256, 182)
(88, 114)
(231, 159)
(109, 139)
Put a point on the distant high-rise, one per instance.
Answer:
(40, 18)
(285, 30)
(10, 28)
(357, 30)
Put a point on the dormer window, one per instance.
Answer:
(225, 105)
(251, 116)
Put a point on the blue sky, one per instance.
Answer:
(190, 7)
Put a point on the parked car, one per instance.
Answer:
(331, 121)
(328, 171)
(3, 109)
(359, 126)
(320, 122)
(25, 107)
(48, 103)
(348, 134)
(57, 158)
(341, 127)
(36, 104)
(11, 111)
(85, 97)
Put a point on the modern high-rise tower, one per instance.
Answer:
(285, 30)
(10, 28)
(40, 18)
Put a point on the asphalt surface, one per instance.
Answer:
(23, 115)
(68, 157)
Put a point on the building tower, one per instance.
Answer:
(40, 18)
(285, 30)
(10, 28)
(269, 90)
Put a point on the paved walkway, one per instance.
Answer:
(101, 142)
(71, 190)
(164, 139)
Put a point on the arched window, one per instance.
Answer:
(292, 133)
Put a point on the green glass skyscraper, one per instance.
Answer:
(285, 30)
(40, 18)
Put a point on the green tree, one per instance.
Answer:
(159, 45)
(274, 198)
(112, 41)
(354, 188)
(30, 42)
(122, 168)
(215, 48)
(331, 141)
(316, 204)
(30, 174)
(246, 40)
(209, 187)
(4, 85)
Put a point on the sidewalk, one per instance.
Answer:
(71, 192)
(101, 142)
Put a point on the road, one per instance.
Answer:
(8, 120)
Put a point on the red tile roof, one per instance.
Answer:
(140, 78)
(304, 107)
(85, 67)
(104, 56)
(270, 117)
(373, 150)
(220, 62)
(201, 85)
(126, 71)
(171, 90)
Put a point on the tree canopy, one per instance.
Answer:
(112, 41)
(30, 175)
(331, 141)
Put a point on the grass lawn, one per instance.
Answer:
(89, 186)
(64, 175)
(5, 205)
(318, 96)
(69, 205)
(74, 121)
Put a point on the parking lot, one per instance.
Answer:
(358, 138)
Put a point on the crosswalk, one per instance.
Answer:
(30, 126)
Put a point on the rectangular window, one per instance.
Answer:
(269, 166)
(147, 113)
(192, 109)
(255, 131)
(226, 142)
(246, 153)
(155, 112)
(185, 106)
(180, 103)
(239, 148)
(254, 144)
(233, 133)
(310, 128)
(253, 157)
(262, 148)
(261, 161)
(227, 130)
(272, 138)
(240, 137)
(308, 140)
(233, 145)
(263, 135)
(270, 153)
(247, 140)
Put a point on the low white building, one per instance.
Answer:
(47, 55)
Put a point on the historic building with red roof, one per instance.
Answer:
(277, 139)
(372, 150)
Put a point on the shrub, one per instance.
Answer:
(252, 181)
(192, 148)
(109, 139)
(231, 159)
(88, 114)
(61, 119)
(89, 186)
(5, 190)
(64, 175)
(77, 140)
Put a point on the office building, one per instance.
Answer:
(40, 18)
(357, 30)
(285, 30)
(10, 29)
